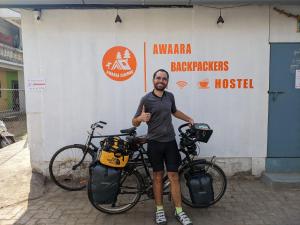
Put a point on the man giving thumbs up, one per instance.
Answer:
(144, 117)
(156, 109)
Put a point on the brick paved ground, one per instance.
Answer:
(16, 177)
(246, 202)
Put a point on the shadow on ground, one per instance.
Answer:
(247, 202)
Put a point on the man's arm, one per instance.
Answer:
(180, 115)
(136, 121)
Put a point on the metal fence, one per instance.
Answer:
(12, 111)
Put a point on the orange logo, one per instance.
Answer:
(119, 63)
(181, 84)
(204, 84)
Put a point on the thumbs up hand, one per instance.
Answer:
(144, 117)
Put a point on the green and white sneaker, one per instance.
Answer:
(183, 218)
(160, 217)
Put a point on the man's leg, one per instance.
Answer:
(160, 217)
(173, 161)
(176, 195)
(155, 155)
(158, 187)
(175, 188)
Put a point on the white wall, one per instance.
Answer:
(66, 48)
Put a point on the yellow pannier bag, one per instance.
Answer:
(114, 152)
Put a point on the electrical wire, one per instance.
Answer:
(226, 7)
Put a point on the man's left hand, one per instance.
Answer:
(191, 121)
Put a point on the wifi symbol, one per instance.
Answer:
(181, 84)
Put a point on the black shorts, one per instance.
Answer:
(164, 152)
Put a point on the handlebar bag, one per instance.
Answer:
(203, 135)
(105, 183)
(200, 131)
(200, 187)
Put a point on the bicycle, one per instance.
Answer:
(69, 166)
(133, 184)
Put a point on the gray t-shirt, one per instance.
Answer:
(160, 127)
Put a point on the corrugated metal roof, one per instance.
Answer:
(128, 3)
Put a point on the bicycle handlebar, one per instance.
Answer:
(97, 124)
(188, 133)
(183, 134)
(194, 126)
(182, 126)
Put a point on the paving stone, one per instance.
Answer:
(246, 202)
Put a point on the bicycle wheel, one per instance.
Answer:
(66, 168)
(129, 194)
(218, 178)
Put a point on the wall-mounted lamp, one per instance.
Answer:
(118, 18)
(37, 13)
(220, 19)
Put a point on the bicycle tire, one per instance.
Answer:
(62, 162)
(219, 182)
(113, 209)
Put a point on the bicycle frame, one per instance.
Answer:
(139, 172)
(140, 161)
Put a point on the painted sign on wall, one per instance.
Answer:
(119, 64)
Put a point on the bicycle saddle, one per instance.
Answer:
(128, 131)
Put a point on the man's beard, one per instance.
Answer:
(160, 86)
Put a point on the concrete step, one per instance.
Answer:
(282, 180)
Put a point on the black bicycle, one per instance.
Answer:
(136, 176)
(69, 166)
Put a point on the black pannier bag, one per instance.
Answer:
(200, 186)
(105, 183)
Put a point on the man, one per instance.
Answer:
(156, 109)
